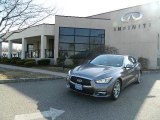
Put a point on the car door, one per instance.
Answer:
(134, 72)
(136, 67)
(129, 72)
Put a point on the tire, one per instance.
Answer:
(138, 79)
(116, 90)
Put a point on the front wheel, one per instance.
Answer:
(116, 90)
(138, 79)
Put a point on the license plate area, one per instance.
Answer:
(78, 86)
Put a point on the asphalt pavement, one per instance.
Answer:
(37, 99)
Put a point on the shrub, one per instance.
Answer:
(70, 66)
(27, 60)
(77, 62)
(110, 50)
(80, 55)
(14, 60)
(43, 62)
(144, 62)
(23, 61)
(5, 60)
(30, 63)
(81, 58)
(20, 62)
(106, 49)
(60, 61)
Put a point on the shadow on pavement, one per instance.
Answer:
(81, 107)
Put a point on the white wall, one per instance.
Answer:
(43, 29)
(140, 42)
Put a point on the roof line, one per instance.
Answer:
(28, 28)
(83, 17)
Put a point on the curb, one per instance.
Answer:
(28, 80)
(148, 72)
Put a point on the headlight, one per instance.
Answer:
(105, 80)
(69, 75)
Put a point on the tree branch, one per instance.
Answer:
(19, 15)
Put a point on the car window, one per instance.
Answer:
(128, 61)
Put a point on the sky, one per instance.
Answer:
(83, 8)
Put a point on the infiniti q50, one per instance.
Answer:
(105, 75)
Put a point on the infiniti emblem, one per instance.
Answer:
(79, 80)
(131, 16)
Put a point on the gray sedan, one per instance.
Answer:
(105, 75)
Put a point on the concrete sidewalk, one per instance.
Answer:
(33, 70)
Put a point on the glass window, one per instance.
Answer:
(29, 47)
(96, 40)
(127, 61)
(66, 53)
(96, 47)
(103, 40)
(73, 41)
(67, 39)
(158, 61)
(97, 32)
(66, 31)
(79, 39)
(82, 32)
(64, 46)
(93, 40)
(82, 54)
(81, 47)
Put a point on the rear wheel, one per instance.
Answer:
(116, 90)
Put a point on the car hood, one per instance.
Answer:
(91, 71)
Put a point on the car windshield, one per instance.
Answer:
(108, 60)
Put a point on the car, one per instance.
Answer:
(106, 75)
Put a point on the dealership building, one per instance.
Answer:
(133, 31)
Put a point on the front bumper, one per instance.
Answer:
(96, 90)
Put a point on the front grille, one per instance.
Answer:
(88, 91)
(83, 82)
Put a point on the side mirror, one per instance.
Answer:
(129, 66)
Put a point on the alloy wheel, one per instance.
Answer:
(139, 77)
(116, 90)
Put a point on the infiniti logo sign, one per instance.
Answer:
(131, 16)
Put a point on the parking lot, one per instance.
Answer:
(36, 100)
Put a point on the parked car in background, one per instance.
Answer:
(105, 75)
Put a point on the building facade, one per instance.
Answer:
(134, 31)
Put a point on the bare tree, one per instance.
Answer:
(5, 49)
(19, 15)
